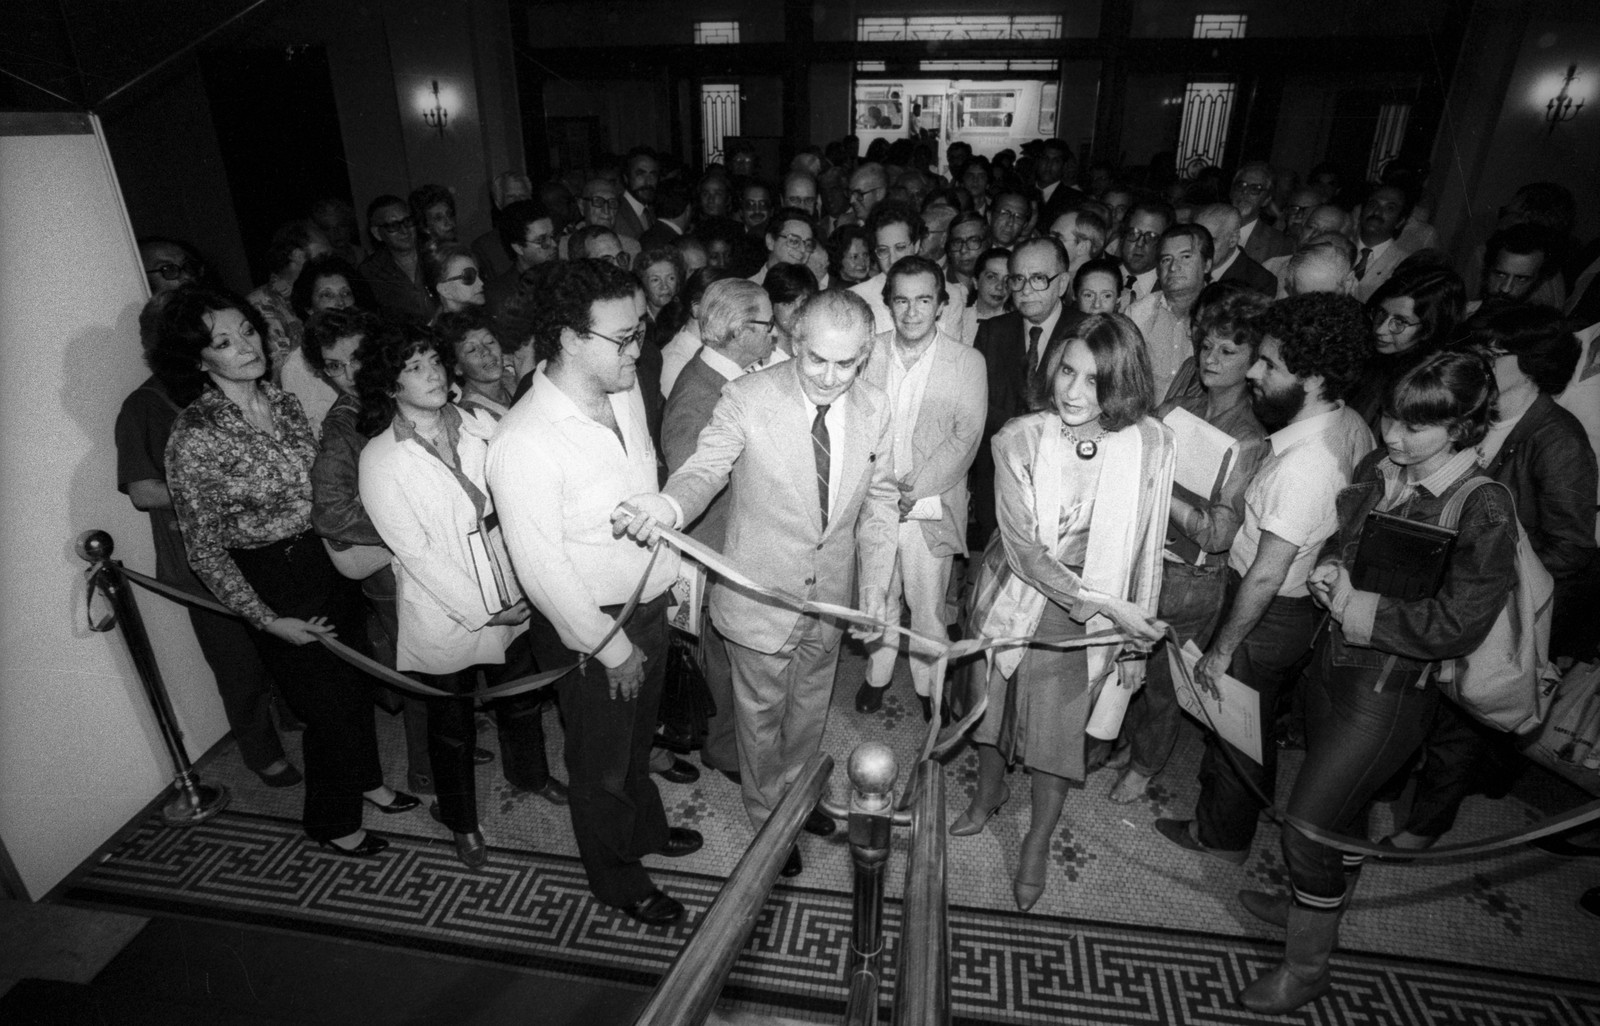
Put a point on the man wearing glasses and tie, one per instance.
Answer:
(1011, 345)
(393, 270)
(568, 452)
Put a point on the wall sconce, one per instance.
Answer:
(436, 116)
(1561, 106)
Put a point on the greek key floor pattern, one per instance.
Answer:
(534, 910)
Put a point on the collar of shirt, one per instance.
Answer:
(638, 208)
(1048, 324)
(1144, 284)
(1287, 438)
(556, 405)
(1377, 251)
(1396, 486)
(1218, 270)
(721, 364)
(449, 415)
(1050, 190)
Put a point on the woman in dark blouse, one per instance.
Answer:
(239, 468)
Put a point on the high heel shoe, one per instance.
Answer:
(401, 802)
(370, 845)
(1032, 867)
(968, 824)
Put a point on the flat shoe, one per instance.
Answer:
(481, 756)
(681, 841)
(655, 909)
(820, 824)
(680, 772)
(401, 802)
(792, 867)
(868, 698)
(471, 848)
(370, 845)
(554, 792)
(1182, 833)
(967, 824)
(286, 777)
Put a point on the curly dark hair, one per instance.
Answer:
(839, 244)
(1538, 336)
(325, 329)
(567, 301)
(305, 286)
(1321, 334)
(1452, 388)
(1125, 385)
(1230, 309)
(383, 356)
(180, 335)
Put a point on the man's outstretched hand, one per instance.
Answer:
(642, 517)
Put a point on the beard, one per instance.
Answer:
(1276, 409)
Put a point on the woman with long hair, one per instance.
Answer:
(1414, 315)
(1081, 491)
(239, 464)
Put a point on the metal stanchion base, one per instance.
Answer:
(188, 808)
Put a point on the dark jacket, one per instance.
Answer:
(393, 290)
(1455, 620)
(1549, 466)
(336, 510)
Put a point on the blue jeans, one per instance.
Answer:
(1356, 738)
(1268, 660)
(1191, 602)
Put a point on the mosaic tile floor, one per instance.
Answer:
(1131, 928)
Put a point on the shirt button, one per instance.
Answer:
(819, 546)
(810, 580)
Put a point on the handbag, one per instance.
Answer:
(686, 704)
(1568, 742)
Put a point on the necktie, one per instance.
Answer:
(1131, 282)
(1035, 349)
(1361, 265)
(819, 449)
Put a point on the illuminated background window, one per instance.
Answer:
(1027, 64)
(719, 113)
(1220, 26)
(1207, 109)
(706, 32)
(1392, 118)
(958, 26)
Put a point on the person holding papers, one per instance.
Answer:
(1220, 445)
(1364, 713)
(1081, 485)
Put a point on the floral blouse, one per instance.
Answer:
(234, 486)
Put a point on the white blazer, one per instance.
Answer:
(424, 516)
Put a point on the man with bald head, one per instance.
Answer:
(1322, 265)
(1252, 188)
(800, 192)
(1323, 221)
(1229, 261)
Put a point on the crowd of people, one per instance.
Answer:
(962, 398)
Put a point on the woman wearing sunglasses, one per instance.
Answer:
(450, 273)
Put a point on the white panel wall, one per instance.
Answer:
(79, 750)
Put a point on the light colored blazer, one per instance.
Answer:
(1379, 269)
(947, 434)
(758, 445)
(424, 517)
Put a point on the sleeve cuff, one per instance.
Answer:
(1359, 614)
(615, 652)
(677, 510)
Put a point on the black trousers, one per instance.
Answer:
(617, 815)
(243, 683)
(294, 577)
(452, 735)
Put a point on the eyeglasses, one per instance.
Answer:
(633, 338)
(764, 324)
(1142, 236)
(797, 242)
(399, 224)
(970, 242)
(1253, 188)
(856, 194)
(467, 277)
(601, 202)
(172, 272)
(1035, 282)
(1382, 320)
(542, 242)
(1009, 215)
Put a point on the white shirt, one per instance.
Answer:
(1581, 397)
(1048, 191)
(721, 364)
(315, 394)
(1293, 493)
(1143, 284)
(556, 475)
(906, 387)
(1166, 337)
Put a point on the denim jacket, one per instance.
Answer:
(1452, 622)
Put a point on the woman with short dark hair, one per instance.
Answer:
(450, 274)
(1414, 315)
(1365, 714)
(470, 347)
(239, 465)
(1081, 492)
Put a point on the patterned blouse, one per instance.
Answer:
(233, 486)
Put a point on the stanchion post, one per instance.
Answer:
(872, 772)
(192, 802)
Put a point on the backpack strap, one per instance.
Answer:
(1451, 516)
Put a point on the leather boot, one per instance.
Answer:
(1303, 975)
(1274, 908)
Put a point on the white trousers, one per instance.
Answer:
(920, 580)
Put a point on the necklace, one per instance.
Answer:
(1086, 448)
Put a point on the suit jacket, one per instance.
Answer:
(758, 445)
(1065, 198)
(948, 431)
(1379, 269)
(1244, 269)
(1266, 242)
(393, 290)
(689, 408)
(627, 223)
(657, 235)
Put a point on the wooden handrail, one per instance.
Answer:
(686, 994)
(922, 984)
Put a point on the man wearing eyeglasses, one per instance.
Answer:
(1141, 248)
(1011, 345)
(393, 270)
(529, 235)
(897, 231)
(168, 265)
(805, 451)
(1252, 188)
(868, 186)
(1010, 218)
(598, 204)
(578, 443)
(1229, 261)
(791, 239)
